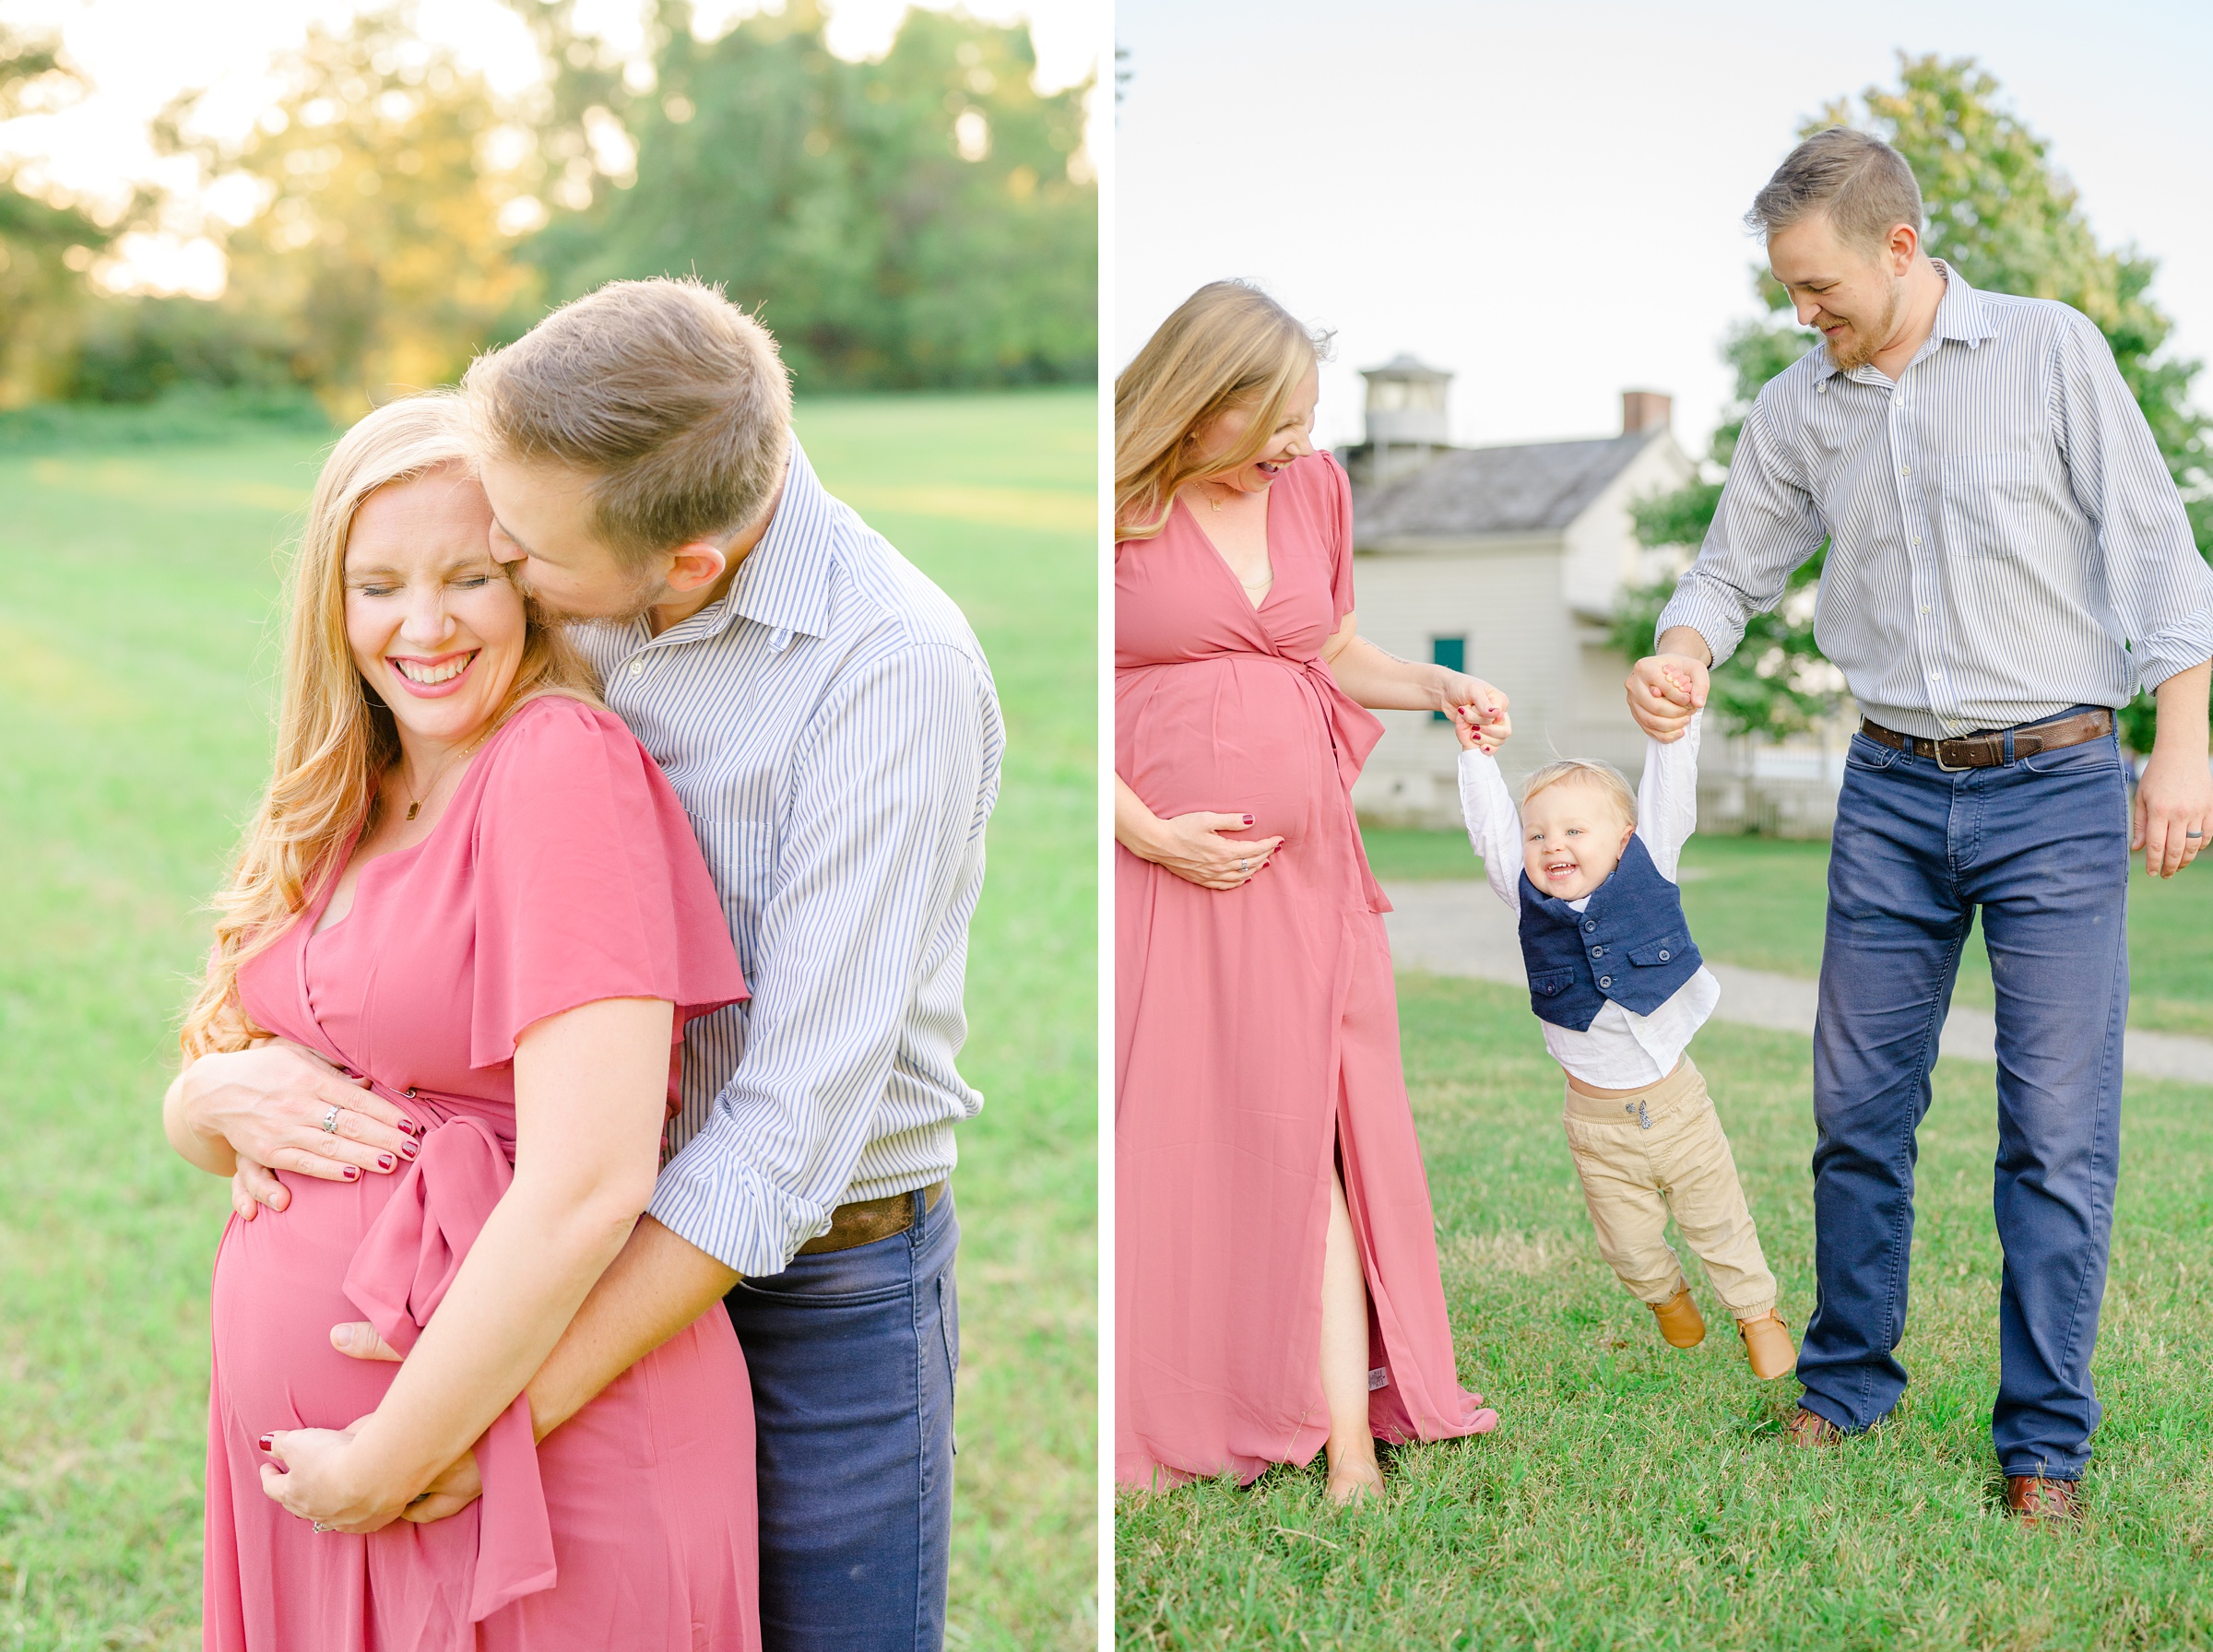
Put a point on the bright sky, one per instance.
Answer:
(140, 53)
(1547, 199)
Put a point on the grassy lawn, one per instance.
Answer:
(1634, 1495)
(136, 590)
(1760, 903)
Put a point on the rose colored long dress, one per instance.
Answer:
(1257, 1029)
(563, 872)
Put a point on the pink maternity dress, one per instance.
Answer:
(563, 872)
(1257, 1031)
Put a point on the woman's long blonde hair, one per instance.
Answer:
(1229, 344)
(335, 736)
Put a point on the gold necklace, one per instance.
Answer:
(415, 803)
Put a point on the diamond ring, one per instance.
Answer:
(330, 1122)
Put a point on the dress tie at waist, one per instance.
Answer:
(1354, 729)
(401, 1273)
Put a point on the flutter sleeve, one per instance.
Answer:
(589, 883)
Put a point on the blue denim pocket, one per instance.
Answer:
(2088, 758)
(1865, 753)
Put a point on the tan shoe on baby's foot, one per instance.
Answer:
(1768, 1345)
(1679, 1320)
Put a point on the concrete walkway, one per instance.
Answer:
(1461, 928)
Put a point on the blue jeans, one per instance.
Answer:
(852, 1354)
(2040, 847)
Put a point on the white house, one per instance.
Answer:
(1505, 562)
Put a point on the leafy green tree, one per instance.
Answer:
(922, 220)
(383, 248)
(46, 247)
(2000, 213)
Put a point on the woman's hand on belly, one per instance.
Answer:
(1190, 845)
(319, 1475)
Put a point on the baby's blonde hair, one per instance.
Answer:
(1605, 777)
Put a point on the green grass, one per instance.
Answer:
(1638, 1496)
(136, 591)
(1761, 903)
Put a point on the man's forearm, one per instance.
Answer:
(658, 1285)
(2182, 716)
(1686, 640)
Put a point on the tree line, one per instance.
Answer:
(924, 220)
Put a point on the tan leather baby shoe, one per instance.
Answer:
(1768, 1345)
(1679, 1320)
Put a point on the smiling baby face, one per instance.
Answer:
(1573, 833)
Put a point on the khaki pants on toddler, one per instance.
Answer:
(1659, 1151)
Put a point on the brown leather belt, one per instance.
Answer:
(866, 1221)
(1987, 750)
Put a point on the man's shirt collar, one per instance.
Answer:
(784, 582)
(1962, 313)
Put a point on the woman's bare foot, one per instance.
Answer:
(1354, 1477)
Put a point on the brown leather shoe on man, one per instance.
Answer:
(1768, 1345)
(1810, 1428)
(1680, 1321)
(2041, 1501)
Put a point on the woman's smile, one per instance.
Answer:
(434, 677)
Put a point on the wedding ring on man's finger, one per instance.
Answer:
(330, 1122)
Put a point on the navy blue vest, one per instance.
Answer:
(1630, 944)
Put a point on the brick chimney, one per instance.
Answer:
(1645, 410)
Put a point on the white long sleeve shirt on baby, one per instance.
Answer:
(1620, 1049)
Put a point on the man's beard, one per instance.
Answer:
(634, 606)
(1870, 342)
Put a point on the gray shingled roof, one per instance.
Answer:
(1536, 487)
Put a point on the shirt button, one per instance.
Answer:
(1907, 471)
(1598, 951)
(1590, 926)
(1663, 954)
(1605, 979)
(638, 668)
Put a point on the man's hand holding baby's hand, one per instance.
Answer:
(1666, 691)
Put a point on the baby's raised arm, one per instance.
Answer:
(1494, 826)
(1667, 797)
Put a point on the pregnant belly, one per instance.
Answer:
(1241, 735)
(278, 1289)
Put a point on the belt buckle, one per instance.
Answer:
(1955, 768)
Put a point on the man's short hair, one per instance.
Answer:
(670, 397)
(1860, 183)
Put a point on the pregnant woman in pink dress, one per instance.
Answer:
(469, 888)
(1276, 1287)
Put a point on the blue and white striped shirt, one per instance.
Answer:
(2005, 539)
(832, 727)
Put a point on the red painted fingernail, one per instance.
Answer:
(410, 1126)
(386, 1160)
(1248, 819)
(267, 1442)
(352, 1174)
(406, 1150)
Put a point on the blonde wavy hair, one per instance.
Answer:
(1229, 345)
(335, 736)
(1605, 777)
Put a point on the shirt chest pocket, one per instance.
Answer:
(740, 851)
(1985, 501)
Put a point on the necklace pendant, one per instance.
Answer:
(414, 810)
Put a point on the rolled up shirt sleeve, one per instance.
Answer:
(2159, 587)
(1765, 527)
(881, 834)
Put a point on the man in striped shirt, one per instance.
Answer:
(830, 723)
(2008, 559)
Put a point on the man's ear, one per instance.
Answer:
(1905, 240)
(695, 566)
